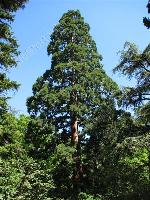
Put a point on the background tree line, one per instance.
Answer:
(79, 142)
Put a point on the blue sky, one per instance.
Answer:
(112, 22)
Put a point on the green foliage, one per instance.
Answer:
(12, 131)
(62, 165)
(84, 196)
(139, 158)
(36, 182)
(40, 138)
(146, 20)
(134, 63)
(116, 157)
(8, 46)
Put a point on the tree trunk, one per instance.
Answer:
(74, 132)
(78, 170)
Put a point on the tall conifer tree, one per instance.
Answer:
(76, 85)
(8, 47)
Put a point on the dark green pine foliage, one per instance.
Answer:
(8, 47)
(146, 20)
(135, 64)
(74, 87)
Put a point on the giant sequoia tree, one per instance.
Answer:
(75, 86)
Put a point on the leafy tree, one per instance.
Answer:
(115, 138)
(12, 151)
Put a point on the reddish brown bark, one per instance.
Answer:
(74, 132)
